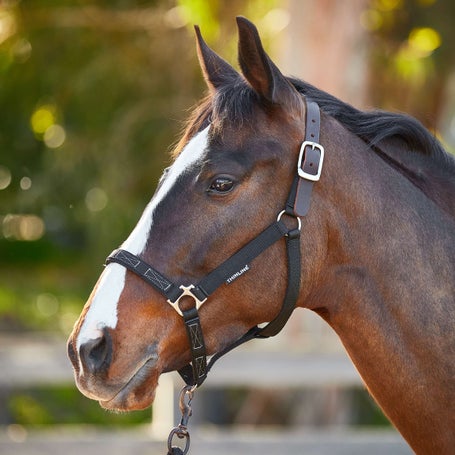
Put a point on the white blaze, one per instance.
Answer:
(103, 308)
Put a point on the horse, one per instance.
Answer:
(218, 251)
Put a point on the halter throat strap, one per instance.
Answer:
(308, 171)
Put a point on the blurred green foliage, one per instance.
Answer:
(412, 59)
(93, 96)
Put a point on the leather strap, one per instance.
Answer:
(146, 272)
(309, 164)
(292, 289)
(198, 363)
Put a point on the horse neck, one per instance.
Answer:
(432, 174)
(386, 285)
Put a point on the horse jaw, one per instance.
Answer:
(138, 393)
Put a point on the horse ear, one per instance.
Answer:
(217, 72)
(258, 68)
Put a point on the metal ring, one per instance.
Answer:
(299, 222)
(180, 434)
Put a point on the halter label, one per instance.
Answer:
(237, 274)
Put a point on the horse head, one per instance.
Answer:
(232, 171)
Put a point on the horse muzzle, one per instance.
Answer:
(117, 385)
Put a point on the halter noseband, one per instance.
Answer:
(308, 171)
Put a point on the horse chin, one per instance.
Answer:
(138, 393)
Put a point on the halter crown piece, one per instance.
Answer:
(309, 169)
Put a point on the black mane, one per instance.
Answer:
(375, 126)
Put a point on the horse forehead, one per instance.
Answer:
(191, 153)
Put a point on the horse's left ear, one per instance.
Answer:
(257, 67)
(217, 72)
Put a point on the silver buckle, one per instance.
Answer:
(186, 291)
(301, 172)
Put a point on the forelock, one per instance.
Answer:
(231, 104)
(234, 104)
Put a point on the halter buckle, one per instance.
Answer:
(187, 291)
(314, 177)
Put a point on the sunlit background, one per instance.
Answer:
(93, 95)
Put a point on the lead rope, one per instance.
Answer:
(181, 430)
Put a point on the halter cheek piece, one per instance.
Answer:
(308, 171)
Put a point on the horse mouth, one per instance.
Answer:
(138, 393)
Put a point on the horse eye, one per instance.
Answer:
(221, 185)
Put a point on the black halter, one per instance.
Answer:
(308, 171)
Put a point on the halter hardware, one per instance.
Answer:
(299, 221)
(187, 291)
(318, 160)
(181, 430)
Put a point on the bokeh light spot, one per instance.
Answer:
(16, 433)
(22, 50)
(43, 118)
(424, 41)
(96, 199)
(175, 17)
(8, 26)
(389, 5)
(23, 227)
(25, 183)
(371, 20)
(5, 177)
(276, 20)
(54, 136)
(47, 304)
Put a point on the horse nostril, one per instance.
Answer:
(96, 354)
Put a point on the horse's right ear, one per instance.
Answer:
(217, 72)
(259, 70)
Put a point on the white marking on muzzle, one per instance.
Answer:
(103, 307)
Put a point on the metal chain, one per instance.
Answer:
(181, 431)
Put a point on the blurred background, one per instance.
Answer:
(93, 95)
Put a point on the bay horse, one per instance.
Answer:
(218, 249)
